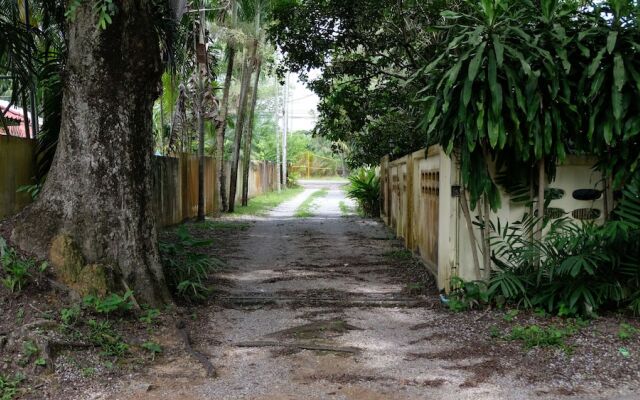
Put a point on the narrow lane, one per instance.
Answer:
(316, 308)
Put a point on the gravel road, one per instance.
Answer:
(316, 309)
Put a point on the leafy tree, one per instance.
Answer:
(367, 50)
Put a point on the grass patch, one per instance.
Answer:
(326, 178)
(537, 336)
(9, 387)
(345, 209)
(305, 210)
(262, 204)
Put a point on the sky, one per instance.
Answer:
(302, 105)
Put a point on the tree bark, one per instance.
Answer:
(242, 105)
(99, 189)
(222, 127)
(246, 162)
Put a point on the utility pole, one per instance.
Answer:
(277, 112)
(286, 131)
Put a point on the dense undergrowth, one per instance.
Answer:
(575, 269)
(186, 266)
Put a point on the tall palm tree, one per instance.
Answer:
(251, 14)
(229, 13)
(259, 16)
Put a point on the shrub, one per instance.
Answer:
(17, 270)
(365, 190)
(102, 334)
(466, 295)
(576, 269)
(186, 269)
(110, 304)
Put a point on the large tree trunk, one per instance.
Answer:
(242, 105)
(246, 162)
(98, 192)
(222, 127)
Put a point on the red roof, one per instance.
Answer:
(15, 120)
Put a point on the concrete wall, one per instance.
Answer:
(17, 168)
(420, 204)
(175, 181)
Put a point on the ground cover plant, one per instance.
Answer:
(305, 210)
(17, 270)
(261, 205)
(186, 266)
(9, 387)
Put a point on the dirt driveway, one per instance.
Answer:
(318, 308)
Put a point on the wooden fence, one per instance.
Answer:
(175, 181)
(16, 169)
(420, 195)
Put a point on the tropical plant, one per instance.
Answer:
(466, 295)
(16, 270)
(113, 303)
(365, 190)
(576, 268)
(185, 267)
(103, 335)
(609, 84)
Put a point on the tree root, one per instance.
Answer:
(302, 346)
(49, 349)
(201, 358)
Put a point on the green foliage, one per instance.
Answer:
(150, 316)
(505, 81)
(10, 386)
(345, 210)
(466, 295)
(365, 190)
(153, 348)
(16, 270)
(624, 352)
(103, 10)
(186, 268)
(366, 100)
(576, 269)
(305, 210)
(32, 190)
(69, 316)
(261, 205)
(510, 315)
(113, 303)
(627, 331)
(537, 336)
(102, 334)
(30, 348)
